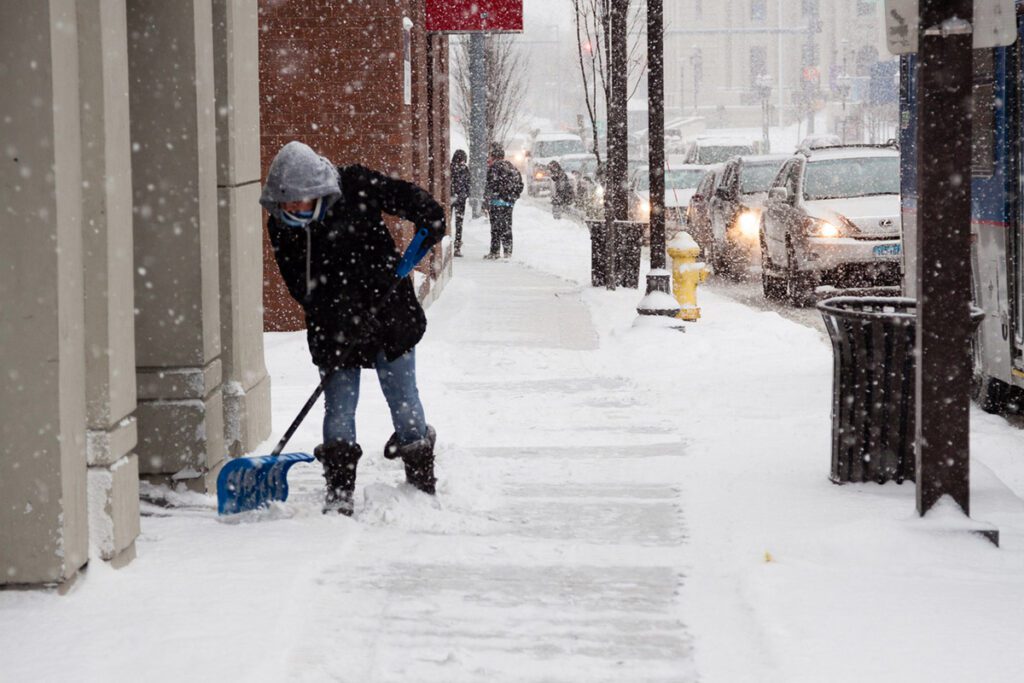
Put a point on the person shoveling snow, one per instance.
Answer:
(339, 262)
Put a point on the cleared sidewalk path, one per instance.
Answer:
(557, 553)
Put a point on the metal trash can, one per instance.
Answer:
(629, 237)
(873, 394)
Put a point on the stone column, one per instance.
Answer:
(174, 181)
(43, 517)
(236, 74)
(109, 287)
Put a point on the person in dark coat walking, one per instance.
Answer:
(338, 259)
(562, 195)
(504, 185)
(460, 193)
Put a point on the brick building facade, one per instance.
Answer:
(360, 82)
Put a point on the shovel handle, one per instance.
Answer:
(320, 387)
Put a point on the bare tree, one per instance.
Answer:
(592, 48)
(506, 85)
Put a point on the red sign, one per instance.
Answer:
(469, 16)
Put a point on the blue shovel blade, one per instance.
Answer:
(252, 483)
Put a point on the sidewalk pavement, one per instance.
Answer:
(614, 504)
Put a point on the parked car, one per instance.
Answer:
(832, 217)
(680, 185)
(705, 150)
(819, 141)
(548, 147)
(736, 211)
(698, 211)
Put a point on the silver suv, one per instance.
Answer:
(832, 217)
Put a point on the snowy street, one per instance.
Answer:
(614, 504)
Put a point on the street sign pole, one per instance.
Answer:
(478, 120)
(943, 258)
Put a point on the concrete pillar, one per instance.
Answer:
(43, 518)
(174, 180)
(109, 286)
(236, 75)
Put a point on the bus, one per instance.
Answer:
(997, 214)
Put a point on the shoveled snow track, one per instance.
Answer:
(556, 550)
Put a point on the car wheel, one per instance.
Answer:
(797, 284)
(771, 286)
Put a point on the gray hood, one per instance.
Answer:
(297, 172)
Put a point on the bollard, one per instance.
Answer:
(687, 273)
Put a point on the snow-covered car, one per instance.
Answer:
(548, 147)
(820, 141)
(832, 217)
(680, 184)
(736, 211)
(705, 150)
(698, 211)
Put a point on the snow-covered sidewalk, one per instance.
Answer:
(614, 504)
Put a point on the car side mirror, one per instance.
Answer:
(527, 154)
(722, 193)
(779, 194)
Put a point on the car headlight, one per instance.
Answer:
(750, 223)
(822, 228)
(599, 190)
(519, 157)
(645, 207)
(538, 175)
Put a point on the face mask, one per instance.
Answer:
(300, 219)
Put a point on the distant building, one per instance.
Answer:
(717, 54)
(360, 82)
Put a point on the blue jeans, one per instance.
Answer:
(398, 382)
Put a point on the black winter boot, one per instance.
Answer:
(339, 459)
(418, 457)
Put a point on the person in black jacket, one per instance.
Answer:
(504, 185)
(562, 193)
(460, 193)
(338, 259)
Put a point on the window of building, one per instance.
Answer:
(758, 63)
(759, 11)
(866, 8)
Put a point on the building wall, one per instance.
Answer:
(333, 76)
(724, 93)
(130, 284)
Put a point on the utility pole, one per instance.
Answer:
(615, 198)
(478, 120)
(943, 253)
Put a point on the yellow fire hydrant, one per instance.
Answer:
(687, 273)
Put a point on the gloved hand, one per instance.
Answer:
(367, 326)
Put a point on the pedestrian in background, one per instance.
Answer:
(504, 185)
(337, 257)
(562, 194)
(459, 193)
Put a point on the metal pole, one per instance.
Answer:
(943, 257)
(615, 199)
(478, 120)
(656, 139)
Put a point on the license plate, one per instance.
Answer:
(887, 250)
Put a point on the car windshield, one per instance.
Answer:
(570, 165)
(717, 154)
(855, 177)
(683, 179)
(557, 148)
(758, 177)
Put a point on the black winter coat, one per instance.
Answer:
(504, 182)
(460, 183)
(350, 258)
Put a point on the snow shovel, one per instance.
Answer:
(252, 483)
